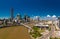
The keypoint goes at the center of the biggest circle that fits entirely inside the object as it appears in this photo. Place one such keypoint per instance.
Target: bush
(35, 28)
(54, 38)
(35, 34)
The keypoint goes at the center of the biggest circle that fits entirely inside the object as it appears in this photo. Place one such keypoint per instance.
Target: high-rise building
(59, 21)
(18, 16)
(37, 18)
(26, 18)
(11, 13)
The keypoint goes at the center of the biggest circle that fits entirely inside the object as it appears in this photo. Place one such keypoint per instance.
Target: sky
(30, 7)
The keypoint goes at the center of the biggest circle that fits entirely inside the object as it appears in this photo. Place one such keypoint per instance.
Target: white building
(36, 18)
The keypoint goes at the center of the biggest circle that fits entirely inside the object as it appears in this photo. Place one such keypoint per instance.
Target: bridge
(26, 26)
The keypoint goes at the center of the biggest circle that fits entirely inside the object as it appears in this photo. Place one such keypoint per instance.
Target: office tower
(18, 16)
(26, 18)
(37, 18)
(59, 21)
(11, 13)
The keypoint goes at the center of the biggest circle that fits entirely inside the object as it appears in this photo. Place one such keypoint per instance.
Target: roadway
(26, 26)
(44, 36)
(49, 34)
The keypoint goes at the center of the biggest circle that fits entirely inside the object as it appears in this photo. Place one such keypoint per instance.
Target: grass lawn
(36, 32)
(17, 32)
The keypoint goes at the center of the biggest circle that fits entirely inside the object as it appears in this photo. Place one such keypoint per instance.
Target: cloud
(54, 16)
(48, 16)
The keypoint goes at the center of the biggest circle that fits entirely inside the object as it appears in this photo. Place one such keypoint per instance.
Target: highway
(44, 36)
(49, 34)
(26, 26)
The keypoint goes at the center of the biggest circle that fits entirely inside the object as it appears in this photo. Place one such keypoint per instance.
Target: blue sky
(30, 7)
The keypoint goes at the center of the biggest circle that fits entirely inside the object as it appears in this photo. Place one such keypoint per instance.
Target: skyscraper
(11, 13)
(18, 16)
(59, 21)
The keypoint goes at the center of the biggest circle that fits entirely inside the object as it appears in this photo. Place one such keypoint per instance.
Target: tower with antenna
(11, 13)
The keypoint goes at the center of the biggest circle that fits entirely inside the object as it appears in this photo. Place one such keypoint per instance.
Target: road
(49, 34)
(26, 26)
(44, 36)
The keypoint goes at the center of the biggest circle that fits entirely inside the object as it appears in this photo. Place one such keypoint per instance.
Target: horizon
(42, 17)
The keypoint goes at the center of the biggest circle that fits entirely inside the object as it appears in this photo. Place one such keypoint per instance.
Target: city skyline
(29, 19)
